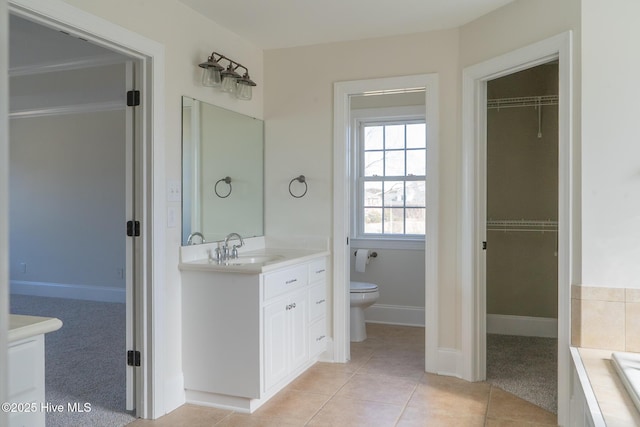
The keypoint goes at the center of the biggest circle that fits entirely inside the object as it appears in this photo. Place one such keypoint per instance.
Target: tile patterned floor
(384, 384)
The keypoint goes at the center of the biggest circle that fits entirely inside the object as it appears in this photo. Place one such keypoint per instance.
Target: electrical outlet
(23, 267)
(120, 272)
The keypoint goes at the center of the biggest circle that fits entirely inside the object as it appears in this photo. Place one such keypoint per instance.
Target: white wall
(67, 207)
(610, 144)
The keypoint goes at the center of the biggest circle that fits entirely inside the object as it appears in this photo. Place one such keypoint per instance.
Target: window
(390, 186)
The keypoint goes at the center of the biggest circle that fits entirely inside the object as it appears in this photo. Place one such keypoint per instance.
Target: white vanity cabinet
(246, 336)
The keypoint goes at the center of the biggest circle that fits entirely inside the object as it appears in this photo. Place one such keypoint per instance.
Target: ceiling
(272, 24)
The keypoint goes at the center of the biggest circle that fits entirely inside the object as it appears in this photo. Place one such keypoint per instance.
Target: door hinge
(484, 246)
(133, 228)
(133, 98)
(133, 358)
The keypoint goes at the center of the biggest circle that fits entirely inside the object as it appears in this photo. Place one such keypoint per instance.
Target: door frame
(4, 205)
(342, 144)
(149, 302)
(473, 206)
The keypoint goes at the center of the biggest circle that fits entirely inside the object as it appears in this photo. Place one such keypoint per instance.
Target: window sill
(373, 243)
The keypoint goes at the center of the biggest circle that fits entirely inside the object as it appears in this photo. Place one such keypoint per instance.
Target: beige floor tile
(378, 388)
(445, 396)
(395, 362)
(321, 379)
(418, 417)
(349, 412)
(245, 420)
(295, 406)
(504, 406)
(491, 422)
(186, 416)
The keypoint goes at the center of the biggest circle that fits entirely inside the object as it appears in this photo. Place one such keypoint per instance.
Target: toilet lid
(360, 287)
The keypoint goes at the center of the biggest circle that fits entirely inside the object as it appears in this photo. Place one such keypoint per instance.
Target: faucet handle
(234, 252)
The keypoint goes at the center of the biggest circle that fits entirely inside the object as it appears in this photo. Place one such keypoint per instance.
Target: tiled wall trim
(605, 318)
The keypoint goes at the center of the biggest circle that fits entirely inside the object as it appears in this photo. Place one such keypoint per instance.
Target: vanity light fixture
(227, 80)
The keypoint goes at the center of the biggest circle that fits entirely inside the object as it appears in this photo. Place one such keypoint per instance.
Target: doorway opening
(72, 187)
(343, 254)
(474, 208)
(521, 234)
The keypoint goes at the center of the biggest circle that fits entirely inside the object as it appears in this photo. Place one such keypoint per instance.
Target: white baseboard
(449, 362)
(61, 290)
(522, 326)
(395, 315)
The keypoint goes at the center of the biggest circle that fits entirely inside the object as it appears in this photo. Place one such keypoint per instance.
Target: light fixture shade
(229, 79)
(211, 77)
(243, 91)
(211, 72)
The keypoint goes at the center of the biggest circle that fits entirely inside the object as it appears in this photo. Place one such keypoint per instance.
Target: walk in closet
(522, 215)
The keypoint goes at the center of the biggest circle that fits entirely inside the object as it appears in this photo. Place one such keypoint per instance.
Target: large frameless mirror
(222, 173)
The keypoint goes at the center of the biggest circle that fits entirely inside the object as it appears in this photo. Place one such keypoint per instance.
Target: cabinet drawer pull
(288, 282)
(320, 271)
(320, 338)
(290, 306)
(320, 301)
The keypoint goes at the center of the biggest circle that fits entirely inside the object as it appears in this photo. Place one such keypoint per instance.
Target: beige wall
(299, 129)
(522, 183)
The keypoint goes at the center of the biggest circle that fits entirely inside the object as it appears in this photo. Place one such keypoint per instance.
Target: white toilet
(363, 295)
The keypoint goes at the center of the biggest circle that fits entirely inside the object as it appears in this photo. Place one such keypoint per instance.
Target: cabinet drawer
(318, 337)
(317, 301)
(317, 270)
(279, 282)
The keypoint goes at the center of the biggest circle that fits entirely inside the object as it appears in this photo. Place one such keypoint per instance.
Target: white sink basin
(628, 367)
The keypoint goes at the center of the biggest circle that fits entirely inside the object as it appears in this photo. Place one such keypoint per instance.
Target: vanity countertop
(22, 326)
(277, 258)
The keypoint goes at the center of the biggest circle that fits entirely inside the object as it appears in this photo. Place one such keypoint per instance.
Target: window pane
(373, 220)
(373, 193)
(415, 220)
(393, 221)
(416, 136)
(373, 137)
(394, 163)
(394, 193)
(373, 163)
(416, 162)
(415, 193)
(394, 136)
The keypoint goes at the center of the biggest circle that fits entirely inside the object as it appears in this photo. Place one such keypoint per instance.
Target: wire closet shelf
(523, 101)
(522, 225)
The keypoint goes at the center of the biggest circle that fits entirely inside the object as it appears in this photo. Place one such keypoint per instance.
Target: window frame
(384, 116)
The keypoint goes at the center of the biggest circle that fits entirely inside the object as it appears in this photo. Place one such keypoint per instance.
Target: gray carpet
(85, 359)
(526, 367)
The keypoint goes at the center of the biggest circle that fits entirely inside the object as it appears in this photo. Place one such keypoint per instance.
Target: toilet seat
(363, 287)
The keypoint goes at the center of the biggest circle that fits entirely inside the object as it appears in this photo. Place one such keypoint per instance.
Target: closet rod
(523, 101)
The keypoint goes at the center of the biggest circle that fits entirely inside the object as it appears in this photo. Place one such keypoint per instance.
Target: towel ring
(226, 180)
(301, 179)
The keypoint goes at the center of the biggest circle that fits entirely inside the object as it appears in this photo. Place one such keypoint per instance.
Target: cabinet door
(276, 342)
(299, 330)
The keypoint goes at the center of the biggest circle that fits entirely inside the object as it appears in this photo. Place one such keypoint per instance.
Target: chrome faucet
(194, 234)
(234, 250)
(222, 254)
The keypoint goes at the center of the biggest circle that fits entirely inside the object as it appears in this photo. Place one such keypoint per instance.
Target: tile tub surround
(384, 384)
(605, 318)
